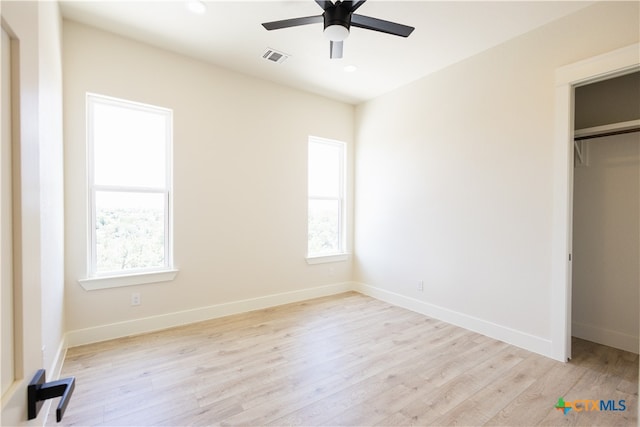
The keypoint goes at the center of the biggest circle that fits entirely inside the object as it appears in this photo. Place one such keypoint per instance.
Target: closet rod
(609, 133)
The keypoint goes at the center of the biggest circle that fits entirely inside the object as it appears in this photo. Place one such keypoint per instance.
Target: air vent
(275, 56)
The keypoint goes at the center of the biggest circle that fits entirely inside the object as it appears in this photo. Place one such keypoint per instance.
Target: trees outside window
(326, 212)
(129, 156)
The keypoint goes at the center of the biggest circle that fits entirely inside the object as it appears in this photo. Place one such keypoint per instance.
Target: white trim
(511, 336)
(321, 259)
(617, 62)
(602, 67)
(53, 374)
(128, 103)
(164, 321)
(55, 369)
(341, 197)
(105, 282)
(606, 336)
(154, 323)
(91, 100)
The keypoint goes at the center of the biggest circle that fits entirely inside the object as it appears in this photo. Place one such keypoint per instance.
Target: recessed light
(196, 6)
(350, 68)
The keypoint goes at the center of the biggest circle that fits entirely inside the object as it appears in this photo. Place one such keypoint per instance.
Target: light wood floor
(341, 360)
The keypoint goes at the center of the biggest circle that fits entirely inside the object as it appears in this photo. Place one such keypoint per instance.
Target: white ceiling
(229, 34)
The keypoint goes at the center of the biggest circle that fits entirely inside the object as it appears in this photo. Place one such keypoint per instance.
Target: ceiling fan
(338, 17)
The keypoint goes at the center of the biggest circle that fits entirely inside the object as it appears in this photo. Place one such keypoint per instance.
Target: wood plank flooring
(343, 360)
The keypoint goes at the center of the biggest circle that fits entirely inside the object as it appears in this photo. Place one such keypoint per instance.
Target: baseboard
(604, 336)
(154, 323)
(56, 366)
(53, 373)
(510, 336)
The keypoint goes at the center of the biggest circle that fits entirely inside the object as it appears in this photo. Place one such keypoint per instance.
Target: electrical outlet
(420, 286)
(135, 298)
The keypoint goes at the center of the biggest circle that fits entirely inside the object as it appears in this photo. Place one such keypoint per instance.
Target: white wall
(240, 153)
(52, 184)
(606, 243)
(454, 180)
(37, 218)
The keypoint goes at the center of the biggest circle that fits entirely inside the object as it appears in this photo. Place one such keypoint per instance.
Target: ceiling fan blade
(353, 5)
(293, 22)
(381, 25)
(335, 50)
(324, 4)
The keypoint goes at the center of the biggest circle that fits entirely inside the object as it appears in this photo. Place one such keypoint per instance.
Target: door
(20, 210)
(618, 62)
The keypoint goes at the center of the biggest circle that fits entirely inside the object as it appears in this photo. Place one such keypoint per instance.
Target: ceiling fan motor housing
(337, 20)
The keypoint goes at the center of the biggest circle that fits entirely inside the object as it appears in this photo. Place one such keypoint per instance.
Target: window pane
(324, 227)
(129, 146)
(130, 231)
(325, 162)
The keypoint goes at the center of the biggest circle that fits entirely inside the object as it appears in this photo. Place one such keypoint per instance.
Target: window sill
(107, 282)
(328, 258)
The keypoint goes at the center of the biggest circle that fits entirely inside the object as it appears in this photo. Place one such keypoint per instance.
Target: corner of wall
(502, 333)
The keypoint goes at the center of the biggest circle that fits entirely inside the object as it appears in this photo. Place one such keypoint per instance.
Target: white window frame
(341, 254)
(166, 272)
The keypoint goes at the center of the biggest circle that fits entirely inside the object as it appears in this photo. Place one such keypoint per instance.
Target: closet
(606, 213)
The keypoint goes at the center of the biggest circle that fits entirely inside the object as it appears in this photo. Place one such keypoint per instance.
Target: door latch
(39, 390)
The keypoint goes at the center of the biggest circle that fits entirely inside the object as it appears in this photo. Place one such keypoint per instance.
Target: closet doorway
(606, 213)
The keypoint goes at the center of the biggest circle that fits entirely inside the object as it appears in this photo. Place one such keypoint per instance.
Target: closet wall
(606, 221)
(609, 101)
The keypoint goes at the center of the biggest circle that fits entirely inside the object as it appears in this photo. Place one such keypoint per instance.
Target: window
(326, 212)
(129, 153)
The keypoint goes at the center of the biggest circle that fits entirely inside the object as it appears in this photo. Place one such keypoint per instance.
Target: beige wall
(240, 153)
(606, 243)
(454, 179)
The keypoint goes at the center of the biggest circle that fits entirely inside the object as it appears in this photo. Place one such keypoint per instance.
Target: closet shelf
(603, 130)
(581, 138)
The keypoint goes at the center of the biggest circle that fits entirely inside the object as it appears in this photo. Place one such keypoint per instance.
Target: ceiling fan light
(336, 33)
(196, 6)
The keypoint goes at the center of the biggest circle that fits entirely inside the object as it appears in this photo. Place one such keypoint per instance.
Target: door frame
(602, 67)
(19, 19)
